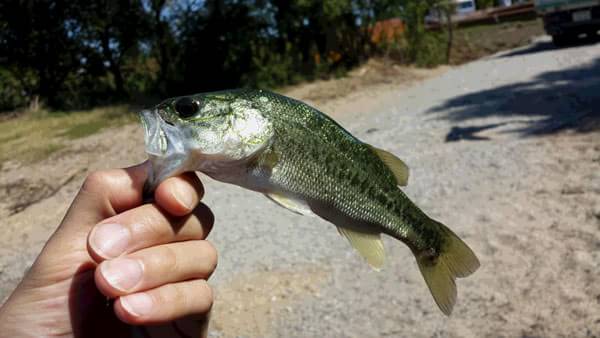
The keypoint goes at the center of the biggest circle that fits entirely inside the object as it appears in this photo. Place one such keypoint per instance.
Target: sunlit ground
(34, 136)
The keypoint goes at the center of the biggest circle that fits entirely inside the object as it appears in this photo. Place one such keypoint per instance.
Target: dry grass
(33, 136)
(474, 42)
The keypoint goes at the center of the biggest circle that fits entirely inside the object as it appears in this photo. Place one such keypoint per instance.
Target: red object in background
(387, 30)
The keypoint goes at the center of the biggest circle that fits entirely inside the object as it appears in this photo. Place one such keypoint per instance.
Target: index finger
(179, 195)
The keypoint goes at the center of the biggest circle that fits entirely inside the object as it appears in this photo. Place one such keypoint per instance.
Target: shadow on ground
(538, 47)
(547, 45)
(568, 99)
(470, 133)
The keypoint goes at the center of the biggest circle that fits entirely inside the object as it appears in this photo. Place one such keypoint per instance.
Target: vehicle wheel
(593, 35)
(562, 40)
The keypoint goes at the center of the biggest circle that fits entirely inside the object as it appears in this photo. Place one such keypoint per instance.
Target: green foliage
(12, 91)
(423, 48)
(482, 4)
(431, 50)
(270, 70)
(81, 54)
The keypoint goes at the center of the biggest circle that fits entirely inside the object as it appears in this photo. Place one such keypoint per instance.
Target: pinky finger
(166, 303)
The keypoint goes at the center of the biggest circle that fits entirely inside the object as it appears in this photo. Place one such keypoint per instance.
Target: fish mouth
(154, 136)
(165, 147)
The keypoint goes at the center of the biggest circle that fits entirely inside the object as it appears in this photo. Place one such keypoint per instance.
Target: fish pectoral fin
(396, 165)
(297, 206)
(368, 244)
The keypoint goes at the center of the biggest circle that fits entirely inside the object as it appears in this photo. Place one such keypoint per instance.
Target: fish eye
(186, 107)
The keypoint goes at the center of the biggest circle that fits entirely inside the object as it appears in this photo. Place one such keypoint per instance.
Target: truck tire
(563, 40)
(593, 34)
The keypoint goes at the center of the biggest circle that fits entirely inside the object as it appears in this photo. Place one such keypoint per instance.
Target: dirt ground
(503, 150)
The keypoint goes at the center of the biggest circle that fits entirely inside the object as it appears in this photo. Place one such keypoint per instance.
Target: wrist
(34, 312)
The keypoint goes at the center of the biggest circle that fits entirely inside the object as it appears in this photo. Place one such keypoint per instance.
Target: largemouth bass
(306, 162)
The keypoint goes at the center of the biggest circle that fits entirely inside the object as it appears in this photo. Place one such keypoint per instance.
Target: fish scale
(306, 162)
(303, 175)
(302, 166)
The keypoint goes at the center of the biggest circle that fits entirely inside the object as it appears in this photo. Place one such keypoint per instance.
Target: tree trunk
(113, 65)
(160, 40)
(119, 83)
(34, 104)
(450, 28)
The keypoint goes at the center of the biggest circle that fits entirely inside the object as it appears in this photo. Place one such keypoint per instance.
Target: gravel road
(501, 150)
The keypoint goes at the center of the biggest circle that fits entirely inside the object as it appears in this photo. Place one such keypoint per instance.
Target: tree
(218, 42)
(447, 8)
(35, 40)
(163, 41)
(74, 54)
(116, 29)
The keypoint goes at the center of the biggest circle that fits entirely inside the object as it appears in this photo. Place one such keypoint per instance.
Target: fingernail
(138, 304)
(122, 273)
(110, 240)
(183, 194)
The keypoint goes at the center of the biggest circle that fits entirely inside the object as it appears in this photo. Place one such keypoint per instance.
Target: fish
(306, 162)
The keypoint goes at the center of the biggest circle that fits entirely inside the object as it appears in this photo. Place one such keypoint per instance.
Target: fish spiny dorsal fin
(368, 244)
(396, 165)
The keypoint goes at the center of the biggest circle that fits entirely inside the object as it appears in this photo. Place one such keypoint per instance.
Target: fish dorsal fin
(368, 244)
(396, 165)
(297, 206)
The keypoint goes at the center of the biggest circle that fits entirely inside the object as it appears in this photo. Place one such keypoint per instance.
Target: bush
(270, 69)
(481, 4)
(431, 50)
(12, 91)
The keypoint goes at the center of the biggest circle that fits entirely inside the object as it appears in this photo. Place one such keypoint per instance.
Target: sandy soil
(503, 150)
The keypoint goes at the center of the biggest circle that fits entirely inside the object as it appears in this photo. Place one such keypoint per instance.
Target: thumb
(103, 194)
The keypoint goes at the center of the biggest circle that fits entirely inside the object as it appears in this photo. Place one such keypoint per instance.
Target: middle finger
(156, 266)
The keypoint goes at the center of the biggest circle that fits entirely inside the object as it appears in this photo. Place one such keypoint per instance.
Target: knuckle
(180, 297)
(169, 259)
(154, 222)
(160, 298)
(96, 181)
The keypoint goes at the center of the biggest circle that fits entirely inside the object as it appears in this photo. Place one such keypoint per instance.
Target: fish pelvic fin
(297, 206)
(396, 165)
(455, 260)
(368, 245)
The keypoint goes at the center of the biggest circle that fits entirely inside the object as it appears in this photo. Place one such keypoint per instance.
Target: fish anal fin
(297, 206)
(368, 244)
(396, 165)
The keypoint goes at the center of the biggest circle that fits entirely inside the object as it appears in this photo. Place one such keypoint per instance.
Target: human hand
(151, 259)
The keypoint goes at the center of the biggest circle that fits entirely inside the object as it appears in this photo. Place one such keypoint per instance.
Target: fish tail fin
(454, 260)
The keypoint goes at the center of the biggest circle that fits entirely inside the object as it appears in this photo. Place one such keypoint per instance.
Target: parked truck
(566, 20)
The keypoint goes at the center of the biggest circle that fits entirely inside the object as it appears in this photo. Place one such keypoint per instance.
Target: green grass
(34, 136)
(84, 129)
